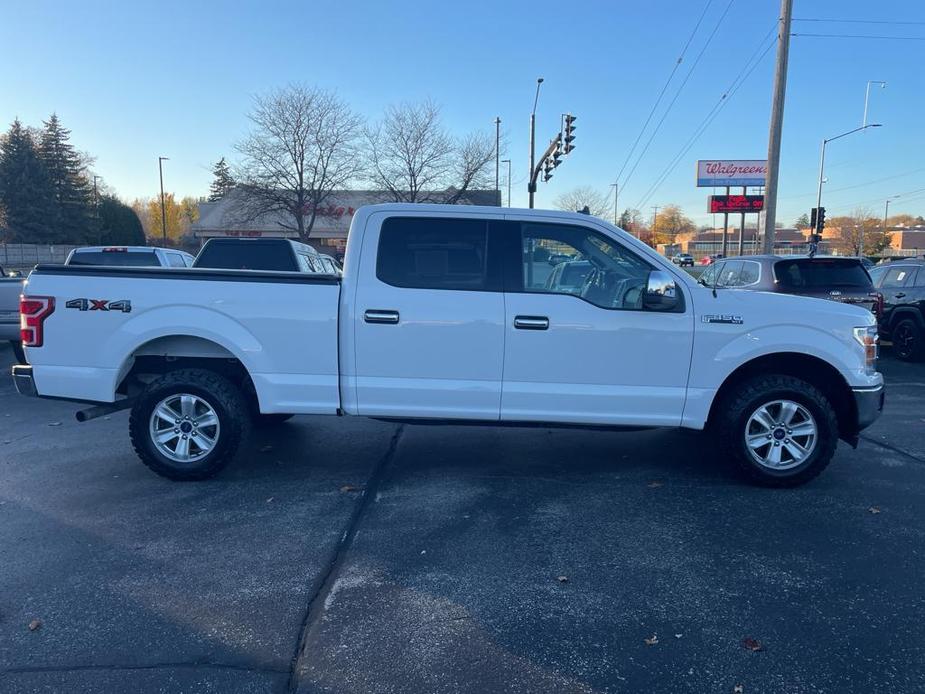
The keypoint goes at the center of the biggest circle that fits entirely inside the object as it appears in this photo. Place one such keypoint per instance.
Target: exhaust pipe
(100, 410)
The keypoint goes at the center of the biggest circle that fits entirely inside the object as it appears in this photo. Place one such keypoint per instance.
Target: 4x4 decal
(123, 305)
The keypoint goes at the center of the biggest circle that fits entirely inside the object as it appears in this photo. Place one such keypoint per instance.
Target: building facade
(230, 217)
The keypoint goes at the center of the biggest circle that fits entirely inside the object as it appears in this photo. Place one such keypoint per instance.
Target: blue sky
(137, 80)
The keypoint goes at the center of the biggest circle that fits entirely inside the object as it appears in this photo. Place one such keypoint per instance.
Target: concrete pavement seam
(26, 669)
(892, 448)
(315, 607)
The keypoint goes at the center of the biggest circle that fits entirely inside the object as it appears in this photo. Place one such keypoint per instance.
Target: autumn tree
(303, 145)
(851, 229)
(222, 180)
(180, 215)
(27, 201)
(906, 220)
(412, 156)
(577, 199)
(668, 223)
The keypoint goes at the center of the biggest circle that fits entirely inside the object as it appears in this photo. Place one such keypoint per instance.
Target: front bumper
(869, 405)
(23, 380)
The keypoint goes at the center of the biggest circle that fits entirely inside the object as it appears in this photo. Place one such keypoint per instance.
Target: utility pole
(160, 166)
(777, 122)
(497, 155)
(616, 190)
(508, 162)
(654, 222)
(742, 228)
(531, 184)
(886, 213)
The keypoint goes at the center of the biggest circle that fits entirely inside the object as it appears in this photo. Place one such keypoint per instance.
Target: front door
(429, 320)
(579, 346)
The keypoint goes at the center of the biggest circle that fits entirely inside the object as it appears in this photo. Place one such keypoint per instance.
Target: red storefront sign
(735, 203)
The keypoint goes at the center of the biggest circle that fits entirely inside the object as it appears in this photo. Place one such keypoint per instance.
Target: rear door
(429, 319)
(897, 286)
(592, 356)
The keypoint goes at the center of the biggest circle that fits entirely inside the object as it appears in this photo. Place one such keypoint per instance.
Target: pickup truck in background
(261, 254)
(446, 313)
(10, 289)
(129, 256)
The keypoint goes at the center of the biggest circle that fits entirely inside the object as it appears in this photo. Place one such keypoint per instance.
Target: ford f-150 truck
(444, 313)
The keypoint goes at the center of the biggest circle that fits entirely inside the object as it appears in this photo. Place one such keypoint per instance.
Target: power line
(857, 185)
(861, 36)
(665, 87)
(857, 21)
(677, 93)
(708, 119)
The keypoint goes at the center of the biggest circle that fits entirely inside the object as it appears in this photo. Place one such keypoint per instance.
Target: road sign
(731, 172)
(735, 203)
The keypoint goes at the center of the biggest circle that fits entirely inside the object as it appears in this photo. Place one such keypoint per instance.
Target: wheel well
(900, 314)
(811, 369)
(166, 354)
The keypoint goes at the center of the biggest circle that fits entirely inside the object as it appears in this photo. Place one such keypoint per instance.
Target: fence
(23, 256)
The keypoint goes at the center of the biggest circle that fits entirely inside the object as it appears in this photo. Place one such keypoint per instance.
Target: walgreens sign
(731, 172)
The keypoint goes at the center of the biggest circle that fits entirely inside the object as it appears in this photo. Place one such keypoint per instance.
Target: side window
(920, 277)
(576, 260)
(304, 263)
(898, 277)
(424, 253)
(876, 275)
(750, 273)
(175, 260)
(729, 275)
(708, 275)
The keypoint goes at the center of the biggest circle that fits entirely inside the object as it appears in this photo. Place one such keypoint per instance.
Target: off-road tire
(751, 394)
(222, 395)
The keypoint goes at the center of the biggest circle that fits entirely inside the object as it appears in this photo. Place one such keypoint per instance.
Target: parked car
(266, 254)
(902, 321)
(439, 312)
(710, 259)
(331, 265)
(129, 256)
(683, 259)
(841, 279)
(10, 290)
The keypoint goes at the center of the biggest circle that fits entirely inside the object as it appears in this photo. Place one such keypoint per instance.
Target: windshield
(246, 255)
(822, 273)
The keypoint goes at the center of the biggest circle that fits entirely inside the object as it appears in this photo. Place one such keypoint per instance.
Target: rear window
(116, 258)
(247, 255)
(820, 273)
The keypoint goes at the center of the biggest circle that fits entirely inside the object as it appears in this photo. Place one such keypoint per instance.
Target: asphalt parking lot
(356, 556)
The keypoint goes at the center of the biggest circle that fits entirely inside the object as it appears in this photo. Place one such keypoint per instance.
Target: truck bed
(281, 327)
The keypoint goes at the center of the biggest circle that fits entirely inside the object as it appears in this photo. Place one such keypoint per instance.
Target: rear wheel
(779, 431)
(188, 424)
(907, 340)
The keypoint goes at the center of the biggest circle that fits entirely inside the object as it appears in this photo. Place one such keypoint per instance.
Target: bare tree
(304, 145)
(412, 156)
(577, 199)
(852, 229)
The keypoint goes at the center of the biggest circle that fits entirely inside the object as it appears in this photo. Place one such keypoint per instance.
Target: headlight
(868, 339)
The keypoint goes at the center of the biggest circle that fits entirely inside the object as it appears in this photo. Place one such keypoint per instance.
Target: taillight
(878, 305)
(33, 310)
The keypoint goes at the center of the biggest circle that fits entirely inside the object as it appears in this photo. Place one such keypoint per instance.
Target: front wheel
(188, 424)
(907, 340)
(779, 431)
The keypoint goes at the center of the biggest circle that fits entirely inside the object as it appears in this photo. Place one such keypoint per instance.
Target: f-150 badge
(123, 305)
(729, 320)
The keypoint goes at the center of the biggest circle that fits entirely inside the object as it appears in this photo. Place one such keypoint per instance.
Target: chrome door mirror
(662, 294)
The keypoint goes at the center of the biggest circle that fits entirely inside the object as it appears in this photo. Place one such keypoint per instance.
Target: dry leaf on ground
(35, 625)
(874, 509)
(752, 644)
(652, 640)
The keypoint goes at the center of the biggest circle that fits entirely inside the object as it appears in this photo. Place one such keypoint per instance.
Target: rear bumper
(23, 380)
(869, 405)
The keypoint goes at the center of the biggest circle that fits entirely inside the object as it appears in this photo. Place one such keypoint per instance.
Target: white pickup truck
(454, 314)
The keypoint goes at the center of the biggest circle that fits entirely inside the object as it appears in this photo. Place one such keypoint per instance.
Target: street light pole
(822, 169)
(497, 155)
(886, 213)
(531, 185)
(867, 97)
(616, 190)
(160, 167)
(508, 162)
(777, 122)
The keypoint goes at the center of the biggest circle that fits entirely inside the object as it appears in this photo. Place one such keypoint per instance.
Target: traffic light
(568, 133)
(548, 166)
(553, 159)
(820, 220)
(812, 219)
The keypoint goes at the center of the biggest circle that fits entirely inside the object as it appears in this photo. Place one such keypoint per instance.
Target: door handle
(531, 322)
(385, 317)
(900, 295)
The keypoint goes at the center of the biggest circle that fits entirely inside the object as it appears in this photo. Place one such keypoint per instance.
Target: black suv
(902, 284)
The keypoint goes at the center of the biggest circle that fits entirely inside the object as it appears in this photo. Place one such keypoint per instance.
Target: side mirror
(661, 292)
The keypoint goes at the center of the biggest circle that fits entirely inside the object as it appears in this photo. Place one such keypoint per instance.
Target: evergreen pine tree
(223, 182)
(119, 225)
(27, 200)
(77, 218)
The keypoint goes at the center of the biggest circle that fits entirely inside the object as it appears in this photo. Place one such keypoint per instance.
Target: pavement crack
(892, 448)
(315, 609)
(25, 669)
